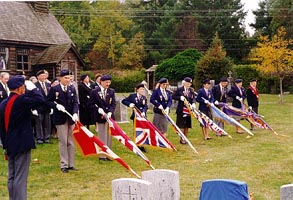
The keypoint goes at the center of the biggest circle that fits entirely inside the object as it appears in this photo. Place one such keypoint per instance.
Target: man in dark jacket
(252, 98)
(17, 133)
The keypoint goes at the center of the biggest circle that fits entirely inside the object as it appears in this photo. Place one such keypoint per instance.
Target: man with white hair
(4, 90)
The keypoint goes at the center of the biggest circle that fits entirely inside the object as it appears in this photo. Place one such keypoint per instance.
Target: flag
(90, 144)
(122, 137)
(147, 134)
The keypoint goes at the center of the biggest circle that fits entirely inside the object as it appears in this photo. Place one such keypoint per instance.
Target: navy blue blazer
(140, 103)
(3, 93)
(217, 93)
(233, 93)
(67, 99)
(20, 136)
(190, 96)
(201, 93)
(43, 108)
(157, 99)
(97, 101)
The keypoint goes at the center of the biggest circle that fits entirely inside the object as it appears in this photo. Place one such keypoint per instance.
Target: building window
(3, 57)
(22, 58)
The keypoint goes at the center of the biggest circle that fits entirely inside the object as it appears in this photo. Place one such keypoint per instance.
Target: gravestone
(120, 112)
(286, 192)
(131, 189)
(165, 183)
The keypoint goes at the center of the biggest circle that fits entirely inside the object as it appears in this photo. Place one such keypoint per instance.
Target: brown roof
(19, 22)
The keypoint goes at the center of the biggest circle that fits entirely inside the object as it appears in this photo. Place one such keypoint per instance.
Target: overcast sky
(250, 5)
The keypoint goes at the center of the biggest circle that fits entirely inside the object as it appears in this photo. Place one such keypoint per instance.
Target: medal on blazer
(143, 102)
(136, 100)
(110, 101)
(161, 98)
(100, 94)
(56, 95)
(1, 94)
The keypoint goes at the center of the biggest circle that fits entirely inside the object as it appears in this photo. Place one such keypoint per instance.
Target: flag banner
(89, 144)
(178, 131)
(219, 114)
(147, 134)
(185, 111)
(205, 120)
(123, 138)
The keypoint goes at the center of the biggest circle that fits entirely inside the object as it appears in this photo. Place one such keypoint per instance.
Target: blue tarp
(223, 189)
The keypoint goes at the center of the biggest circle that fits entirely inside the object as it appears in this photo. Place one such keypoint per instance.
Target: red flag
(122, 137)
(90, 144)
(147, 134)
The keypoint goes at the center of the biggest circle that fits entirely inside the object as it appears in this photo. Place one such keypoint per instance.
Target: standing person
(220, 95)
(84, 89)
(253, 98)
(161, 98)
(238, 94)
(17, 133)
(4, 90)
(63, 98)
(97, 82)
(42, 112)
(205, 96)
(102, 102)
(183, 119)
(54, 82)
(138, 100)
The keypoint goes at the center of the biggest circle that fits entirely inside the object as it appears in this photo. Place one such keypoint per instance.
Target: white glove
(60, 107)
(167, 110)
(75, 117)
(109, 114)
(35, 112)
(250, 108)
(29, 85)
(160, 107)
(131, 105)
(206, 101)
(193, 106)
(101, 111)
(216, 102)
(238, 98)
(182, 98)
(51, 111)
(143, 114)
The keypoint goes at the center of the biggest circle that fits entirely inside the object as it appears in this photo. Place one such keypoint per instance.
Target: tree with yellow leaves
(274, 57)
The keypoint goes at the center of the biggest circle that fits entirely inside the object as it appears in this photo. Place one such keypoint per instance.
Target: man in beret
(63, 98)
(102, 102)
(161, 98)
(220, 95)
(84, 88)
(42, 112)
(205, 96)
(17, 133)
(4, 90)
(252, 98)
(238, 94)
(183, 119)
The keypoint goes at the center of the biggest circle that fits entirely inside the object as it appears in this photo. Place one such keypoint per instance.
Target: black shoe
(72, 168)
(47, 142)
(40, 142)
(64, 170)
(103, 159)
(142, 149)
(108, 159)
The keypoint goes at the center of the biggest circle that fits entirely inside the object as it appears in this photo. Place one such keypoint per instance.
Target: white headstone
(120, 112)
(131, 189)
(286, 192)
(165, 183)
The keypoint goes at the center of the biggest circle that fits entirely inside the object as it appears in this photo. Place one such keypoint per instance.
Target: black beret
(238, 80)
(206, 81)
(41, 72)
(223, 80)
(106, 77)
(139, 86)
(253, 80)
(15, 82)
(163, 80)
(82, 77)
(64, 72)
(188, 79)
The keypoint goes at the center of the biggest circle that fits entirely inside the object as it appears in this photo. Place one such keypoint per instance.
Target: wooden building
(31, 39)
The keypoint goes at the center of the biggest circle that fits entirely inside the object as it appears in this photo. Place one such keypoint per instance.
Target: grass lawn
(264, 162)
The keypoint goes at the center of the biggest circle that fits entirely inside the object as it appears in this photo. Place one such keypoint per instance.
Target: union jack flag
(147, 134)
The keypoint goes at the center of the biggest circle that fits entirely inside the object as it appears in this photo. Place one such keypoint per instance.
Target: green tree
(274, 56)
(214, 64)
(181, 65)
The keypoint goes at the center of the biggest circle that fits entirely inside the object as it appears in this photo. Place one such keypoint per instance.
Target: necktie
(165, 95)
(5, 88)
(44, 88)
(65, 89)
(105, 93)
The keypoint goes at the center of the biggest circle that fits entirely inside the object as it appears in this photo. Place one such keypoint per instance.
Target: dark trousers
(18, 168)
(43, 127)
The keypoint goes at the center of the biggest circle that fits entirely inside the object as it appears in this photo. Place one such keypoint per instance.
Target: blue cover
(223, 189)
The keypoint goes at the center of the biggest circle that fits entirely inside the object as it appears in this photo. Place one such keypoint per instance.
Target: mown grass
(264, 162)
